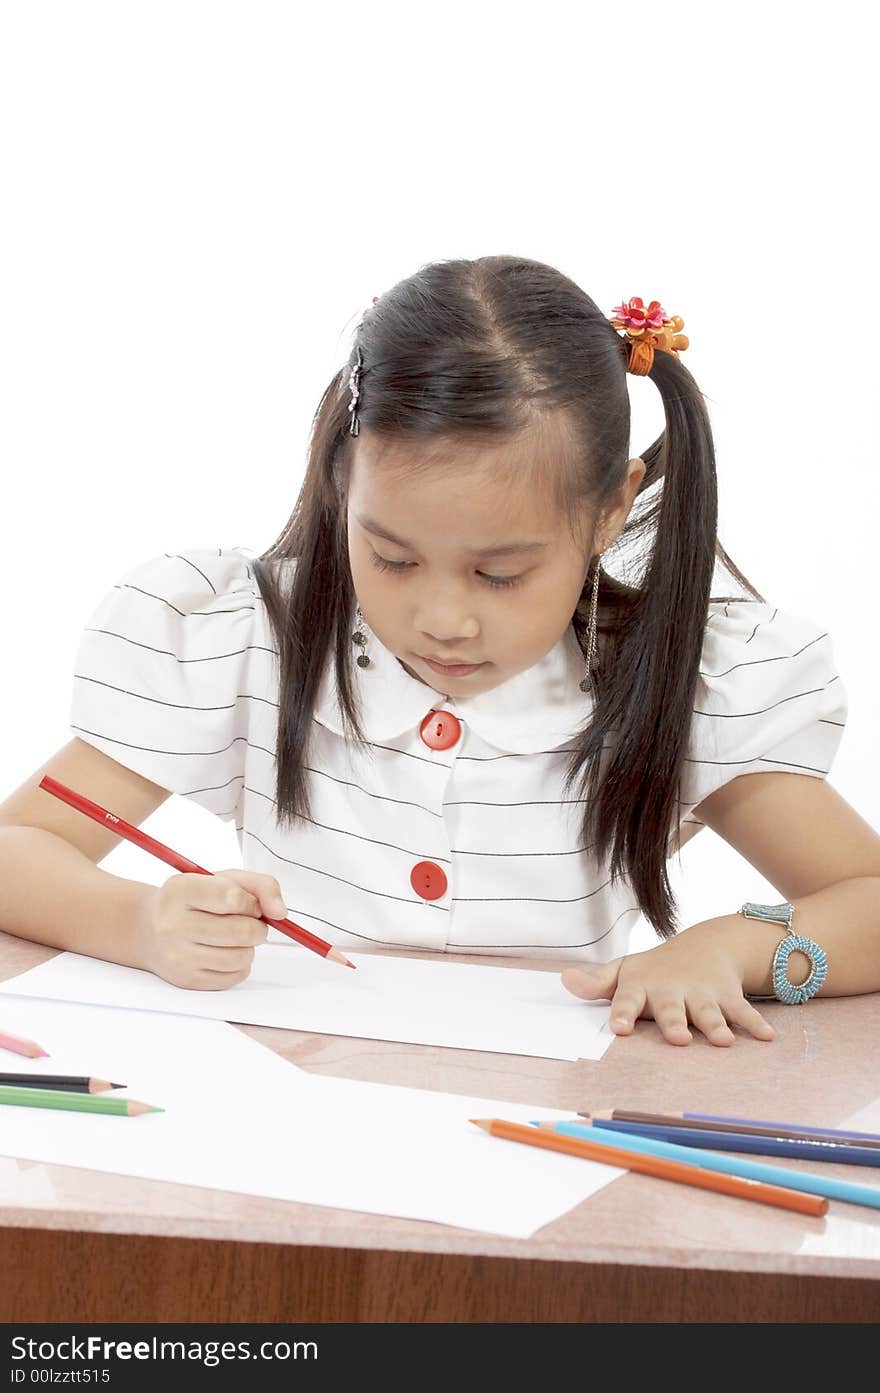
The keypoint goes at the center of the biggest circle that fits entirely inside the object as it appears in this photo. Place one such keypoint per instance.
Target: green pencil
(73, 1102)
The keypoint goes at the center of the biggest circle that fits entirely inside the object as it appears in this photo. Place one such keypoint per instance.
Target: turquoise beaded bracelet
(783, 987)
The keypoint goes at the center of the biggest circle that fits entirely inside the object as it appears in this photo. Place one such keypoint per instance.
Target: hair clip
(354, 388)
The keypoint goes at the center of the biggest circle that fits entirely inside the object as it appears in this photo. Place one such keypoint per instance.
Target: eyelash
(497, 582)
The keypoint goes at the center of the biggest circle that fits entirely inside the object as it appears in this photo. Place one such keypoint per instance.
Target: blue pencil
(733, 1165)
(804, 1148)
(836, 1132)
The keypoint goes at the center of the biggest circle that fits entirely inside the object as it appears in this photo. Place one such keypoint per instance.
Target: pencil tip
(348, 964)
(484, 1122)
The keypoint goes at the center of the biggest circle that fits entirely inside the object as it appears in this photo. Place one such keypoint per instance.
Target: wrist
(753, 943)
(142, 935)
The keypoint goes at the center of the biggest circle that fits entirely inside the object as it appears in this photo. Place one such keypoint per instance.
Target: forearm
(844, 919)
(51, 893)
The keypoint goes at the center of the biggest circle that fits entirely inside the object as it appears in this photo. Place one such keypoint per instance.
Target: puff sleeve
(769, 697)
(160, 680)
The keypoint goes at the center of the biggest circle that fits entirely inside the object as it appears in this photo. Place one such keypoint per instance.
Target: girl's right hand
(201, 930)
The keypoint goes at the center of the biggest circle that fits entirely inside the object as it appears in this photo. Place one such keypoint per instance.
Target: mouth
(457, 669)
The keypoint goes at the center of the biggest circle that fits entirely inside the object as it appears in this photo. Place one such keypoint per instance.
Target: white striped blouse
(451, 830)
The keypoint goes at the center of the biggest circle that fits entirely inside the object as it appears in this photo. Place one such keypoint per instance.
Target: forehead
(481, 488)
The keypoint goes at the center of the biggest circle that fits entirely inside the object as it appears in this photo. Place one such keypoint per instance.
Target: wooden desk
(82, 1246)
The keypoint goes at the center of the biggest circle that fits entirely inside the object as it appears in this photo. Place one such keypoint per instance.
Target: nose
(448, 635)
(445, 617)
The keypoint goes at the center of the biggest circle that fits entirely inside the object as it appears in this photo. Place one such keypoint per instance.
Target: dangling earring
(587, 680)
(360, 638)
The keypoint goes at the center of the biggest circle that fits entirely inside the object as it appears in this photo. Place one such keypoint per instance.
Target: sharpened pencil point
(338, 957)
(136, 1109)
(484, 1122)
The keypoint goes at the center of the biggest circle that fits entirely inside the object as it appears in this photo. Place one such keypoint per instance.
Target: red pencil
(180, 863)
(19, 1046)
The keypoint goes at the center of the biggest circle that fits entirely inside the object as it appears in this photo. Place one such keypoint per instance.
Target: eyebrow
(507, 549)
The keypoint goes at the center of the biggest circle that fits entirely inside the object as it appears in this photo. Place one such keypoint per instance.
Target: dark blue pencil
(807, 1149)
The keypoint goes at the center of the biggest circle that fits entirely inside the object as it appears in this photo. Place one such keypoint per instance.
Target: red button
(428, 880)
(440, 729)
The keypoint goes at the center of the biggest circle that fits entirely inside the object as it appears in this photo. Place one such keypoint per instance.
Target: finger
(671, 1017)
(265, 890)
(217, 894)
(743, 1013)
(206, 980)
(592, 981)
(235, 892)
(211, 958)
(708, 1017)
(225, 931)
(626, 1006)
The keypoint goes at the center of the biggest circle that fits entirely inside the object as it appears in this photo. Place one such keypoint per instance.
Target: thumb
(264, 888)
(592, 981)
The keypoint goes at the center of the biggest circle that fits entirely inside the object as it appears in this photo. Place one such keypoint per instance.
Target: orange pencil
(19, 1046)
(658, 1166)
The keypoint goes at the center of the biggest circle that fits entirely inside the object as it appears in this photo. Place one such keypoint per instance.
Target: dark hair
(481, 350)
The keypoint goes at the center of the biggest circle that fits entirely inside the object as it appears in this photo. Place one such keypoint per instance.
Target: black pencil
(69, 1083)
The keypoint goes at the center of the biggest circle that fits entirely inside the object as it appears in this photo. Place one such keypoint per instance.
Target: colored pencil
(803, 1148)
(68, 1082)
(732, 1165)
(19, 1046)
(737, 1124)
(791, 1126)
(682, 1173)
(73, 1102)
(180, 863)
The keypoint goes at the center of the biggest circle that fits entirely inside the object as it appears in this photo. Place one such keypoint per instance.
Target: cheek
(363, 573)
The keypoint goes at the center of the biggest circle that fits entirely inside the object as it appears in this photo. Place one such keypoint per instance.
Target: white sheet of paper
(239, 1117)
(502, 1009)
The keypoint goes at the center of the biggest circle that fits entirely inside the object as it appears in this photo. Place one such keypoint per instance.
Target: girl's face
(458, 565)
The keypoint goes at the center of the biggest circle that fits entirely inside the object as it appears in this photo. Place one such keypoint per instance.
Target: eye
(381, 564)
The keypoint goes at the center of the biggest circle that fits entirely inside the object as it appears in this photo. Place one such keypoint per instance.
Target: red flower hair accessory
(647, 330)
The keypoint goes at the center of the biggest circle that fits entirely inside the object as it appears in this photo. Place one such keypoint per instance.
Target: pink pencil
(19, 1046)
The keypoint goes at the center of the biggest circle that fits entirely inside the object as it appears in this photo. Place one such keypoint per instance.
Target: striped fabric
(176, 676)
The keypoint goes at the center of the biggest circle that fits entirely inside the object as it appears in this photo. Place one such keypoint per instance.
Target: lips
(453, 669)
(451, 662)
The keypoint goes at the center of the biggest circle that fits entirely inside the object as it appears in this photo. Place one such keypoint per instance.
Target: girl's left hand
(695, 977)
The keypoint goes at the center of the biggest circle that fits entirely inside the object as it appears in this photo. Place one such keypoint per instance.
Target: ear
(616, 513)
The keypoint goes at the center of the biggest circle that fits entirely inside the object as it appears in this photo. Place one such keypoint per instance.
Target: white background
(200, 199)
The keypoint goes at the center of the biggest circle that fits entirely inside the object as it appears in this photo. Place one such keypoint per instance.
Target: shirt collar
(537, 709)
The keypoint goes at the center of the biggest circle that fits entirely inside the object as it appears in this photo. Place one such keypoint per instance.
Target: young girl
(439, 722)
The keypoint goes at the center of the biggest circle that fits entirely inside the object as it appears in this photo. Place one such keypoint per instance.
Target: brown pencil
(663, 1169)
